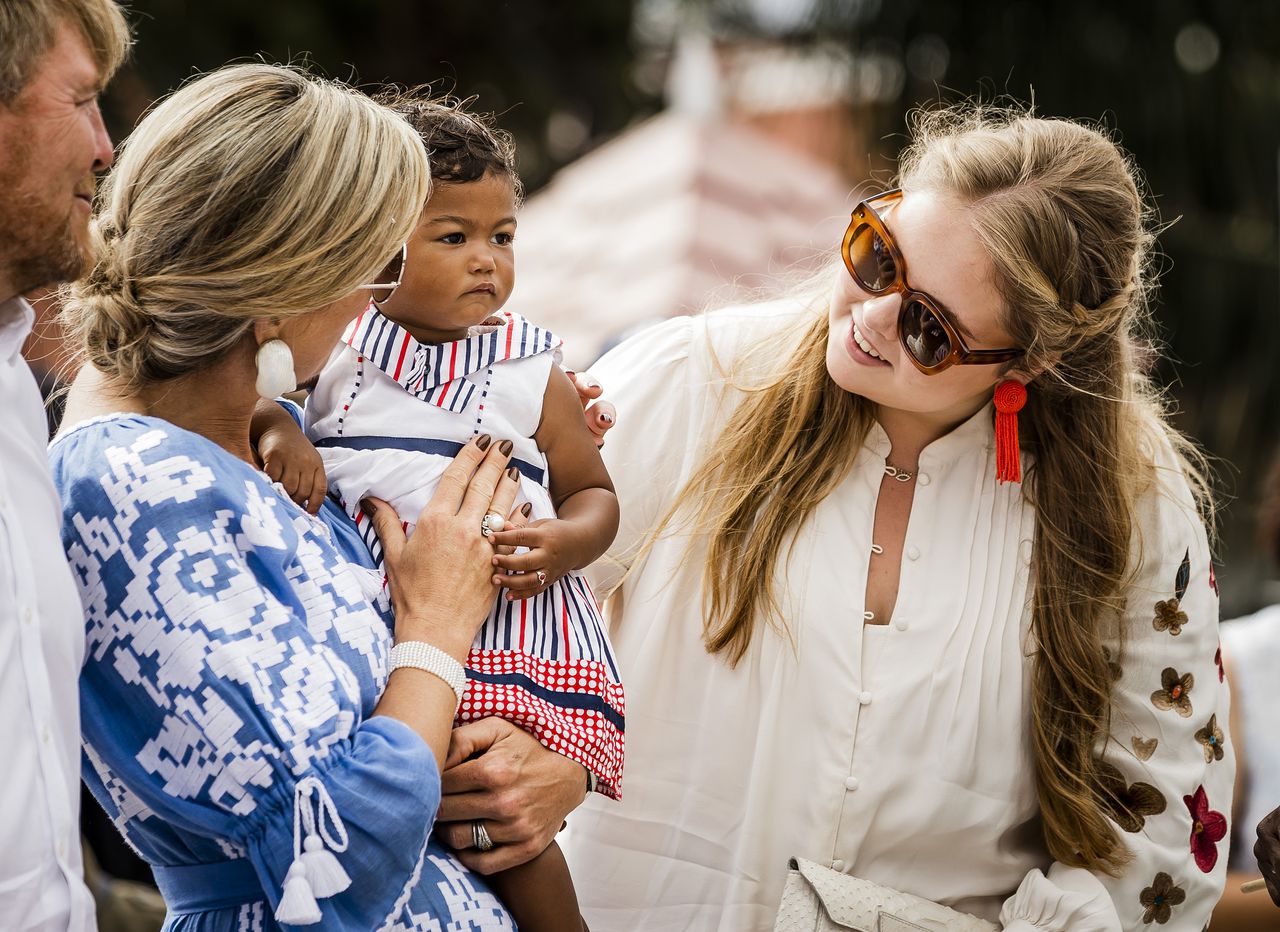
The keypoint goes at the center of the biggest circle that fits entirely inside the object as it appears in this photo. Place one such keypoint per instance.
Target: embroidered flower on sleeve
(1169, 617)
(1143, 748)
(1174, 692)
(1210, 737)
(1213, 580)
(1160, 898)
(1208, 827)
(1217, 658)
(1128, 804)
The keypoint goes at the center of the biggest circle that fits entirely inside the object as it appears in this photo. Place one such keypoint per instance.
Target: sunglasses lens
(873, 263)
(923, 335)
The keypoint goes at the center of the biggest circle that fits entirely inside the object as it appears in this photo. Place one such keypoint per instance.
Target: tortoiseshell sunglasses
(876, 264)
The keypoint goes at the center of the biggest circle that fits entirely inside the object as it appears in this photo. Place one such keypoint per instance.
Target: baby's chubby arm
(287, 455)
(583, 494)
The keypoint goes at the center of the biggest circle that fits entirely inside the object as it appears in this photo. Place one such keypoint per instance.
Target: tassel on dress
(315, 872)
(298, 906)
(1010, 396)
(323, 870)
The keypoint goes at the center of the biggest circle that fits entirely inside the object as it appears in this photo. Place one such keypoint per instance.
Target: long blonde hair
(255, 191)
(1061, 213)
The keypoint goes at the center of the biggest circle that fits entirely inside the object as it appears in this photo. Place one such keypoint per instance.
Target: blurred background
(682, 153)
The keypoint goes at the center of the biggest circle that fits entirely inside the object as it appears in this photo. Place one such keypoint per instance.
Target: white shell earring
(275, 369)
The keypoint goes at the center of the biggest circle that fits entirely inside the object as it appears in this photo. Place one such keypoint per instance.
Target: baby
(417, 376)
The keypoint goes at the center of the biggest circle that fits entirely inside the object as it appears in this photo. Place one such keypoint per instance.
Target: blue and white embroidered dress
(232, 665)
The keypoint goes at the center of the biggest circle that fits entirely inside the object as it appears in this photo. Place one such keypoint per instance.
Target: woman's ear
(265, 329)
(1026, 374)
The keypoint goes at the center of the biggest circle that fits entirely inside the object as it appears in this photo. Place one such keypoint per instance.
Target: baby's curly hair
(463, 146)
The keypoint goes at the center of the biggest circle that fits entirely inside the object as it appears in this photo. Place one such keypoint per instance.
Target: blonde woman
(252, 721)
(866, 623)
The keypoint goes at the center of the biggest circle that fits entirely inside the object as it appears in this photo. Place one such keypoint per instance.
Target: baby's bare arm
(585, 502)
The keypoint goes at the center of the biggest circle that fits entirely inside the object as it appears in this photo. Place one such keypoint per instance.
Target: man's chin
(53, 262)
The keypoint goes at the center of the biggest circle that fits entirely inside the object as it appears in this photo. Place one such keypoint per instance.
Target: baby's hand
(289, 458)
(555, 548)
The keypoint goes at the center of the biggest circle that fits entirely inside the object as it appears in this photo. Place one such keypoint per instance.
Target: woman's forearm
(425, 703)
(422, 700)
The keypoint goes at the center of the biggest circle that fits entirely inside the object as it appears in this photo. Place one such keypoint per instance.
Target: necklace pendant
(893, 472)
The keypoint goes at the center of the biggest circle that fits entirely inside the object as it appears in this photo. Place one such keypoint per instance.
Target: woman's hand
(440, 578)
(600, 415)
(521, 791)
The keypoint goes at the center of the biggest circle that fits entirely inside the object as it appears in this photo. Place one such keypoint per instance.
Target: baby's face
(461, 265)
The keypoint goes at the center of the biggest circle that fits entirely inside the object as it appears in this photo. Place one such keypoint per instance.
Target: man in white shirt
(55, 56)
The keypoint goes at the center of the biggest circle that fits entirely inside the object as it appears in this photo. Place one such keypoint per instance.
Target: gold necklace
(893, 472)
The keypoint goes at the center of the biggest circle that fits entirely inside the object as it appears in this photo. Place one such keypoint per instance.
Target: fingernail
(366, 506)
(513, 474)
(592, 383)
(570, 373)
(526, 509)
(504, 448)
(606, 417)
(483, 441)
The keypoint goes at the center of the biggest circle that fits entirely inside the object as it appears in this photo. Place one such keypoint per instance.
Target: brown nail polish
(526, 509)
(483, 441)
(505, 448)
(513, 474)
(367, 507)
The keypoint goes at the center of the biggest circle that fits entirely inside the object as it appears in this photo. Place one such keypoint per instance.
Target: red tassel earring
(1010, 397)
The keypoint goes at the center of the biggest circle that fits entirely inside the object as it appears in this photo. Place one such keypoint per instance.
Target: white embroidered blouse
(897, 753)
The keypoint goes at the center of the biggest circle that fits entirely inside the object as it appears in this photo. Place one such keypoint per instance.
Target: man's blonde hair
(28, 29)
(255, 191)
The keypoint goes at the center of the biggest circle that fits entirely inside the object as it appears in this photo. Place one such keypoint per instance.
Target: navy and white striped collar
(436, 372)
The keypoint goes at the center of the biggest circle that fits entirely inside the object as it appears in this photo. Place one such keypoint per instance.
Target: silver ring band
(480, 836)
(542, 577)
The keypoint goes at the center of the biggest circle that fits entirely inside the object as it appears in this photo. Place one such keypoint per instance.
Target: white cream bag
(818, 899)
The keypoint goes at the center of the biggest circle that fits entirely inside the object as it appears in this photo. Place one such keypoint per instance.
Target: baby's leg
(540, 894)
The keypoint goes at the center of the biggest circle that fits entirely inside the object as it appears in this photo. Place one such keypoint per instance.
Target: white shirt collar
(16, 320)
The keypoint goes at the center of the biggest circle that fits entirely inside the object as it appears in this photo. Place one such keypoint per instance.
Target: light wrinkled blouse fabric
(898, 753)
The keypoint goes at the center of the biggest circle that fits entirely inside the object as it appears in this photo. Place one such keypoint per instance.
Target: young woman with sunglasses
(913, 578)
